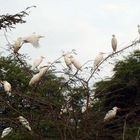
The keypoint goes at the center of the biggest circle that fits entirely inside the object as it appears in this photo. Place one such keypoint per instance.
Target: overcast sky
(84, 25)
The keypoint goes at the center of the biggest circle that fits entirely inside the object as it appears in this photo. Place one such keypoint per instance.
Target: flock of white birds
(69, 60)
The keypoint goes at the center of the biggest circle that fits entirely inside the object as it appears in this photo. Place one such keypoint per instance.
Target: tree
(66, 107)
(39, 103)
(121, 90)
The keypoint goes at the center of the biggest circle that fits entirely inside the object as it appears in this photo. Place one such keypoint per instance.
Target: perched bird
(24, 122)
(43, 70)
(98, 59)
(75, 62)
(114, 43)
(33, 39)
(138, 29)
(7, 87)
(17, 45)
(35, 79)
(111, 114)
(6, 131)
(37, 62)
(67, 60)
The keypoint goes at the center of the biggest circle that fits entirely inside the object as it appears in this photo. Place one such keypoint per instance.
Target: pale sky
(84, 25)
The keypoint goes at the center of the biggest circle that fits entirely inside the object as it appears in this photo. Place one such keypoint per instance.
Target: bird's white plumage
(43, 70)
(6, 131)
(24, 122)
(17, 45)
(33, 39)
(7, 87)
(35, 79)
(139, 29)
(67, 60)
(75, 62)
(114, 43)
(37, 62)
(98, 59)
(111, 114)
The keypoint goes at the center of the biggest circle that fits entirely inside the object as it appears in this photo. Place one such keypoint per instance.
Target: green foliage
(40, 104)
(42, 100)
(12, 71)
(123, 91)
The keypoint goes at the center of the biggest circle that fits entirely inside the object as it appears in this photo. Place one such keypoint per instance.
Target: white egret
(35, 79)
(33, 39)
(43, 70)
(37, 62)
(6, 131)
(7, 87)
(98, 59)
(24, 122)
(111, 114)
(114, 43)
(67, 60)
(17, 45)
(138, 29)
(75, 62)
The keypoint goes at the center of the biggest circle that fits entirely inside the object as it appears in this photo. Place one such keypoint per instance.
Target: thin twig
(138, 134)
(124, 128)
